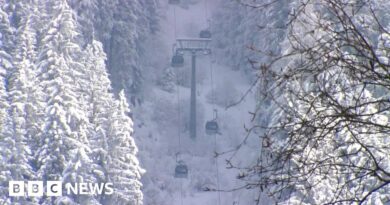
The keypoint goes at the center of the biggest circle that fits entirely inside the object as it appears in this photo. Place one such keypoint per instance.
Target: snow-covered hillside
(159, 124)
(299, 90)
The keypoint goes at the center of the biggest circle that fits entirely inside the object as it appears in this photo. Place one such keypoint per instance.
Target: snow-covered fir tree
(101, 102)
(246, 36)
(6, 140)
(168, 80)
(122, 26)
(329, 128)
(24, 107)
(123, 166)
(60, 76)
(59, 119)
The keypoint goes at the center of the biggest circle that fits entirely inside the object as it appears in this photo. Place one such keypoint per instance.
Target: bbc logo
(34, 188)
(55, 188)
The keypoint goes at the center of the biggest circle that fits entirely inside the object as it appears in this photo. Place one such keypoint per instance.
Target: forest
(196, 102)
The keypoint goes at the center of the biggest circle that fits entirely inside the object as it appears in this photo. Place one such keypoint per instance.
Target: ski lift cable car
(212, 127)
(205, 33)
(177, 58)
(174, 2)
(177, 61)
(181, 170)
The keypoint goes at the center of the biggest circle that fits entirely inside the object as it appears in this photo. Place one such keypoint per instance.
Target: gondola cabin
(181, 171)
(174, 1)
(205, 34)
(212, 127)
(177, 61)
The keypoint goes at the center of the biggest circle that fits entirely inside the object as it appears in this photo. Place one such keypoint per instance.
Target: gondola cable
(214, 108)
(215, 134)
(178, 106)
(177, 59)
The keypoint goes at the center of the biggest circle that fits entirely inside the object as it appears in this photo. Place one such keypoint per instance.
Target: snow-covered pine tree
(101, 99)
(104, 18)
(122, 26)
(111, 131)
(5, 60)
(87, 13)
(53, 96)
(23, 107)
(168, 80)
(234, 27)
(6, 141)
(26, 52)
(329, 135)
(7, 31)
(98, 89)
(81, 168)
(150, 16)
(65, 127)
(122, 51)
(123, 166)
(101, 102)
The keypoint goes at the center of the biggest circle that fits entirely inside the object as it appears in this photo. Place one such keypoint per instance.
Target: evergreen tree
(122, 26)
(87, 12)
(329, 131)
(58, 117)
(65, 124)
(23, 109)
(168, 80)
(234, 27)
(101, 101)
(123, 167)
(150, 16)
(6, 141)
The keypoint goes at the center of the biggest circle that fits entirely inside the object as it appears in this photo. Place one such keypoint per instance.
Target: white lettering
(83, 188)
(96, 189)
(70, 189)
(109, 188)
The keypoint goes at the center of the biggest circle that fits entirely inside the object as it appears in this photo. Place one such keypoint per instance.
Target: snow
(157, 124)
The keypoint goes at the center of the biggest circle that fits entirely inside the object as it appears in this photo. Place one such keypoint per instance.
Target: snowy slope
(160, 124)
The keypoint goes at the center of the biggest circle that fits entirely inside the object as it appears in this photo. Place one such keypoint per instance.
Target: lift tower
(194, 47)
